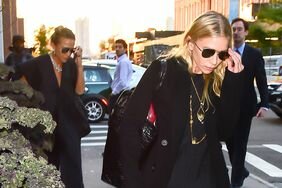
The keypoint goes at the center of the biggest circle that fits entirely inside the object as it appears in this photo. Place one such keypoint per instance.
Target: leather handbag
(149, 130)
(81, 116)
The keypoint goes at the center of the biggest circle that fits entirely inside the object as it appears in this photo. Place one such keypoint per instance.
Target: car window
(95, 74)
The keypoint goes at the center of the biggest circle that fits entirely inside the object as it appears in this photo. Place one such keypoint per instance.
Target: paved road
(264, 157)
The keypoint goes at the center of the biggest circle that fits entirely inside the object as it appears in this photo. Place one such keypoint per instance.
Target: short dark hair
(121, 41)
(246, 24)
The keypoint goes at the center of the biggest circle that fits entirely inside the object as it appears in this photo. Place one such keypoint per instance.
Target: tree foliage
(268, 25)
(42, 39)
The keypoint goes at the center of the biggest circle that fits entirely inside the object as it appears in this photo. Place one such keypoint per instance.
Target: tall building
(169, 24)
(82, 35)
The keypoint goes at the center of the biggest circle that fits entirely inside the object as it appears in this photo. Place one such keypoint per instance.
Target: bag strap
(151, 117)
(162, 72)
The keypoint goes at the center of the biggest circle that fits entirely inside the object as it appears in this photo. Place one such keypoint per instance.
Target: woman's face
(207, 53)
(63, 49)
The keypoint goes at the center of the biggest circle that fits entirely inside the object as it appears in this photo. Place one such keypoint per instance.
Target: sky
(107, 17)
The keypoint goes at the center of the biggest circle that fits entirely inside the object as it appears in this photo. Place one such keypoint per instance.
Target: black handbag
(82, 120)
(149, 130)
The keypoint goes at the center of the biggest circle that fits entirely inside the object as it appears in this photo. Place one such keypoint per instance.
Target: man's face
(19, 46)
(120, 50)
(239, 33)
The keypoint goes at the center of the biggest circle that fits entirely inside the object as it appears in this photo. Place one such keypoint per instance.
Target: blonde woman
(196, 107)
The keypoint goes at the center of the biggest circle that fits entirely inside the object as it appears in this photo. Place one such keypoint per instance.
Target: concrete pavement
(92, 167)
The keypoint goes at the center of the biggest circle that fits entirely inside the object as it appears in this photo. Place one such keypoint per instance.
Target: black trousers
(237, 148)
(66, 154)
(112, 101)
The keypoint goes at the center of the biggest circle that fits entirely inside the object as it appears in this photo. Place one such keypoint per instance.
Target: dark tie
(237, 51)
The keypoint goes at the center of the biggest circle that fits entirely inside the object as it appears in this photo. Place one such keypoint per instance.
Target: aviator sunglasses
(207, 52)
(66, 50)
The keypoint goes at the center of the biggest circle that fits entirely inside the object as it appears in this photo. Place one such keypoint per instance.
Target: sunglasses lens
(223, 55)
(66, 50)
(206, 53)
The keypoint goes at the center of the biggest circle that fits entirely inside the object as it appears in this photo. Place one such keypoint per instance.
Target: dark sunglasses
(207, 52)
(66, 50)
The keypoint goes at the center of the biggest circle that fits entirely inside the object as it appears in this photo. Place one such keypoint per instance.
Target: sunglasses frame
(65, 50)
(208, 52)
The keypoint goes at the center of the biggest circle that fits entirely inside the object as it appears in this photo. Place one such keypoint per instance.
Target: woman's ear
(189, 43)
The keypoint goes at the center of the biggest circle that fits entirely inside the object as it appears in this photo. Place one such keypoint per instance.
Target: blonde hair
(209, 24)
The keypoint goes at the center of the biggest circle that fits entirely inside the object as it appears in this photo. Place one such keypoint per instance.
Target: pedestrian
(123, 72)
(19, 54)
(122, 77)
(60, 79)
(195, 107)
(254, 70)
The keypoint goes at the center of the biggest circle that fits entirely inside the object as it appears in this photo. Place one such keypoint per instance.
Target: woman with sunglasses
(60, 79)
(196, 108)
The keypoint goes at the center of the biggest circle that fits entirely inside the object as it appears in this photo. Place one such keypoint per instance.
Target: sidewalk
(255, 182)
(92, 166)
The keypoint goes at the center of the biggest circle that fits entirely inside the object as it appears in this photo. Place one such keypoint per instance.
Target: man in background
(253, 70)
(19, 54)
(123, 72)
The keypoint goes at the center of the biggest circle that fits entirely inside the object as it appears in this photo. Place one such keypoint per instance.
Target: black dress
(59, 101)
(184, 174)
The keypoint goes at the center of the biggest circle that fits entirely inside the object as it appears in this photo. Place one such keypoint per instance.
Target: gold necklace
(194, 140)
(201, 112)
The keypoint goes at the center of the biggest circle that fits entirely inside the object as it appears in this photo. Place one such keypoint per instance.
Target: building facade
(11, 25)
(187, 10)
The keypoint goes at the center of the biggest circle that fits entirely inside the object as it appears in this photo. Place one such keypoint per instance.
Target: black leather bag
(82, 120)
(149, 131)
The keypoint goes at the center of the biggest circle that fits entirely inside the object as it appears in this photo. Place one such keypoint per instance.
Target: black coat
(172, 107)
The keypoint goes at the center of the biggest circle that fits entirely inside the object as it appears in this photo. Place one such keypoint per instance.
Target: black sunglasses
(207, 52)
(66, 50)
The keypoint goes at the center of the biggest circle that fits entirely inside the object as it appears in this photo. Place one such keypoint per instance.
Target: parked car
(275, 97)
(98, 75)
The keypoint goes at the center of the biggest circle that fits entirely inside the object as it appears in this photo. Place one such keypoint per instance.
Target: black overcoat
(172, 106)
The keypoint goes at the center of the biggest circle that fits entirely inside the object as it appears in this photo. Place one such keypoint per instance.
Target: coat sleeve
(261, 79)
(135, 114)
(30, 70)
(229, 104)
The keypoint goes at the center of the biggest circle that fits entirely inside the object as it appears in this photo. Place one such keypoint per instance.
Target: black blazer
(253, 70)
(58, 99)
(172, 107)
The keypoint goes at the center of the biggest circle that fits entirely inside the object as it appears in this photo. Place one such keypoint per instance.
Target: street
(264, 157)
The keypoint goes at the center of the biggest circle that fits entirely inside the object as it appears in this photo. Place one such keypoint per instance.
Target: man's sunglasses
(66, 50)
(207, 52)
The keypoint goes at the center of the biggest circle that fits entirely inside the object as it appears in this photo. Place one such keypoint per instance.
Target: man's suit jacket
(254, 70)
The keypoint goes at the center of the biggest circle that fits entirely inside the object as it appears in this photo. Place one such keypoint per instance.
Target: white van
(273, 67)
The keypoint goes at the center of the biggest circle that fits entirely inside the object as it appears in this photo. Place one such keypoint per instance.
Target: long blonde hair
(209, 24)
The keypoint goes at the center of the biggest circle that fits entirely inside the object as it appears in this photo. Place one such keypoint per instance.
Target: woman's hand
(78, 56)
(234, 62)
